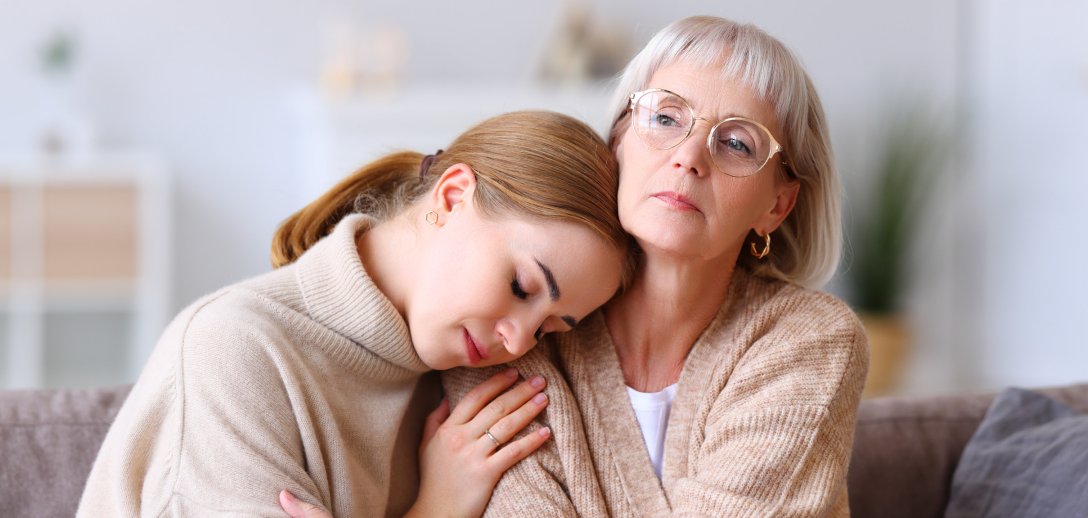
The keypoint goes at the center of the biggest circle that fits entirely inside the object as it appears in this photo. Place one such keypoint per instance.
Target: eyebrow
(553, 288)
(553, 291)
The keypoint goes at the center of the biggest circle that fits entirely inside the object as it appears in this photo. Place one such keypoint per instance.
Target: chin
(666, 240)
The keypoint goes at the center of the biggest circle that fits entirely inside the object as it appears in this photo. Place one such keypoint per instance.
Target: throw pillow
(1029, 457)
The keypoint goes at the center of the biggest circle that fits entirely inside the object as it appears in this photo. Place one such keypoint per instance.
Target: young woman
(310, 377)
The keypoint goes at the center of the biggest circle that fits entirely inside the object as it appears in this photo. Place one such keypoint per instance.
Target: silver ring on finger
(489, 435)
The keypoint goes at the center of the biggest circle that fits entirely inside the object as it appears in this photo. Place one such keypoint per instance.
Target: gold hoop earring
(431, 217)
(760, 254)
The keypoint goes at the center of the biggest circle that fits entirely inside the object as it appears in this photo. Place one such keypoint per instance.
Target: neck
(655, 323)
(388, 251)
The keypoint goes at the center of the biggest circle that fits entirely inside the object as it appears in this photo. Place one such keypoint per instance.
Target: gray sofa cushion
(48, 441)
(1029, 458)
(906, 450)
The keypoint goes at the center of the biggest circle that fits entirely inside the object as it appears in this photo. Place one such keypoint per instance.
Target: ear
(453, 191)
(784, 200)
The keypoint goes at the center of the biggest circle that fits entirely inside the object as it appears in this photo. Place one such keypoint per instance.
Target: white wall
(207, 85)
(1031, 179)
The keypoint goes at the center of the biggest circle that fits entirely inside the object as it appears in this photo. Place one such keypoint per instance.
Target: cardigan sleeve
(777, 438)
(208, 430)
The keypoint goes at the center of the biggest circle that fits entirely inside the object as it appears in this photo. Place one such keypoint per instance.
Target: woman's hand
(460, 463)
(296, 509)
(466, 451)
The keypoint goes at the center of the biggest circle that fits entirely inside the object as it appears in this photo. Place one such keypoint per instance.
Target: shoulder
(235, 313)
(794, 310)
(233, 337)
(810, 347)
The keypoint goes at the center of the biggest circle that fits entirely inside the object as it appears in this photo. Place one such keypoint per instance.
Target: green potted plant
(911, 154)
(66, 130)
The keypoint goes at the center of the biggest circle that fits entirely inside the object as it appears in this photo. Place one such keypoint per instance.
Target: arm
(464, 452)
(460, 463)
(536, 486)
(207, 430)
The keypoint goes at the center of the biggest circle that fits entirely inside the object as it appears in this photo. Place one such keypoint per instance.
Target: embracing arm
(460, 461)
(536, 486)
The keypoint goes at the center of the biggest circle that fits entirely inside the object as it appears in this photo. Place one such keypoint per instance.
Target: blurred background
(148, 150)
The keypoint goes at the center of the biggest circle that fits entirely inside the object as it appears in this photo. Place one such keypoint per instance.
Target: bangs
(742, 53)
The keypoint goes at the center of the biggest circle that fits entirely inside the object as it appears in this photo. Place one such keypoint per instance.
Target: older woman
(719, 383)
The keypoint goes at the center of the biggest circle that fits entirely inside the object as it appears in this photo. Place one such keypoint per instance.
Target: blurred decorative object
(66, 130)
(889, 341)
(58, 54)
(911, 154)
(583, 49)
(362, 61)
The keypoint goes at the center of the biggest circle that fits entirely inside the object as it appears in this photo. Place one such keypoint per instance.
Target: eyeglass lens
(737, 146)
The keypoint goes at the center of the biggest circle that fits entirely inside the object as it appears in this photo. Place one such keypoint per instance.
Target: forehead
(713, 95)
(544, 239)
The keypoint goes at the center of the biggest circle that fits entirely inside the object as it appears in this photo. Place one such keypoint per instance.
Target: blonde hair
(808, 244)
(538, 164)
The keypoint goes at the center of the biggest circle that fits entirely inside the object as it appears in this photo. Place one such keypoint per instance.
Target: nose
(518, 334)
(691, 155)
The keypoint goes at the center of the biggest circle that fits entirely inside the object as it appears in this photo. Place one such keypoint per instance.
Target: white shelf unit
(84, 268)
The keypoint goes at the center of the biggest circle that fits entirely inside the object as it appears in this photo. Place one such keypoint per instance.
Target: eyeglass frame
(776, 147)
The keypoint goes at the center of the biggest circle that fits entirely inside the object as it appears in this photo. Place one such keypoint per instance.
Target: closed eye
(516, 289)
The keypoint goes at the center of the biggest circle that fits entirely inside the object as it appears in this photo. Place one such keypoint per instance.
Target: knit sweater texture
(762, 424)
(303, 378)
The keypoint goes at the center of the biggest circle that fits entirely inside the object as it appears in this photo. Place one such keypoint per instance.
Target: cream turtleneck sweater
(303, 378)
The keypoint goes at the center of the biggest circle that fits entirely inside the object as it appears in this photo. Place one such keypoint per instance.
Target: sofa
(905, 452)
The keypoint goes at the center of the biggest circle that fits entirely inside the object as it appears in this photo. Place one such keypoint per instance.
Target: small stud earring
(431, 217)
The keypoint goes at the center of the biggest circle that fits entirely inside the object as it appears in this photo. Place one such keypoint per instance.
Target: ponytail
(377, 188)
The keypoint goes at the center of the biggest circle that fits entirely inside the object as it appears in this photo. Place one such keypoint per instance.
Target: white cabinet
(84, 269)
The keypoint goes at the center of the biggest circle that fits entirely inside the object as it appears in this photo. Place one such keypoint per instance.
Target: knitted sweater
(762, 424)
(303, 378)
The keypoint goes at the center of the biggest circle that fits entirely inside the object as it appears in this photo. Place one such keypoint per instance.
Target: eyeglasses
(738, 146)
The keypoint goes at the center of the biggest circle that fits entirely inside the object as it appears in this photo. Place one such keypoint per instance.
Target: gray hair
(808, 245)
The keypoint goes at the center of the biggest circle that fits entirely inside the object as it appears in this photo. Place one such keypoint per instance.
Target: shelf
(84, 268)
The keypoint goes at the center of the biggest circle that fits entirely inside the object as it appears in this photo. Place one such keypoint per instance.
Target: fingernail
(540, 399)
(537, 382)
(511, 373)
(290, 504)
(544, 432)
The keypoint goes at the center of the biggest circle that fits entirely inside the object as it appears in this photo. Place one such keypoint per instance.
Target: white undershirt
(652, 412)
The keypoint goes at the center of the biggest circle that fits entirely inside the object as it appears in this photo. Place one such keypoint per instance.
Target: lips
(676, 201)
(476, 353)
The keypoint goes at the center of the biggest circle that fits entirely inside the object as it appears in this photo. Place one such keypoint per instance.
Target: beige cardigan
(762, 424)
(303, 378)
